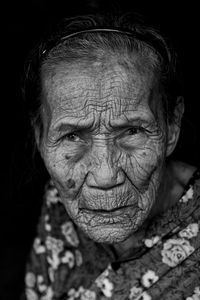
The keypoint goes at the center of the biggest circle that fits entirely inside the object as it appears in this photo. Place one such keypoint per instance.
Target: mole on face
(71, 183)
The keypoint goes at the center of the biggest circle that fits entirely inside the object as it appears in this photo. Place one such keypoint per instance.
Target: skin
(109, 165)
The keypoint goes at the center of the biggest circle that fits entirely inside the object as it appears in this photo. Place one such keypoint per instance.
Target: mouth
(109, 213)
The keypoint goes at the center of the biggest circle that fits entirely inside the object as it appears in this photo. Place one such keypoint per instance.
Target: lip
(109, 213)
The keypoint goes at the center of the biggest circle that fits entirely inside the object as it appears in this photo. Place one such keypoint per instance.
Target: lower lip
(108, 214)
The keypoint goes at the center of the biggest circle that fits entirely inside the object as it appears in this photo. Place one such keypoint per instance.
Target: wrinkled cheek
(143, 164)
(146, 174)
(67, 176)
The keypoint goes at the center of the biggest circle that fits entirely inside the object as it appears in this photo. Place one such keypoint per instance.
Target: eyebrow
(119, 124)
(70, 126)
(129, 121)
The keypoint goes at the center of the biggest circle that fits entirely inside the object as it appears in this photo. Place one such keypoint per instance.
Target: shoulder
(187, 180)
(182, 172)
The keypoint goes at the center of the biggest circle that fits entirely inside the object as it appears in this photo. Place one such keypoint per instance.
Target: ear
(174, 126)
(37, 133)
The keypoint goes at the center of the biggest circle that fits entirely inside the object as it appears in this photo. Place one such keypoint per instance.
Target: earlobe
(174, 126)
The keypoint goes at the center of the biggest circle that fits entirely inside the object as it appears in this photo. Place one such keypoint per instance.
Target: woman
(120, 219)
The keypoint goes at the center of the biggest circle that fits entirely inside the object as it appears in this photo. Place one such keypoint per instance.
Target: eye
(72, 137)
(135, 130)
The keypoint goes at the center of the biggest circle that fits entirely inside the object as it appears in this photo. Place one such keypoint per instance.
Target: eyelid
(68, 134)
(141, 130)
(138, 127)
(81, 133)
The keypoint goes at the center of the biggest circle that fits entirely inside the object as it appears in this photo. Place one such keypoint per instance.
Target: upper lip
(105, 201)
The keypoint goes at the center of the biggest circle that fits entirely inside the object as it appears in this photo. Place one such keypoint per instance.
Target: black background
(23, 177)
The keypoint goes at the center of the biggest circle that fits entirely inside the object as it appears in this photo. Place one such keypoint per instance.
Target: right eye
(72, 137)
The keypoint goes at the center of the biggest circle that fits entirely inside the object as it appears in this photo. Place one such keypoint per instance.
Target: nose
(105, 174)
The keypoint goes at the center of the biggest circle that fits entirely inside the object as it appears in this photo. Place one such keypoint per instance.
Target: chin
(110, 228)
(108, 234)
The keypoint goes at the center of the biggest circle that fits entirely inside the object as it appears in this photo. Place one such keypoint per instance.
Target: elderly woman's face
(104, 145)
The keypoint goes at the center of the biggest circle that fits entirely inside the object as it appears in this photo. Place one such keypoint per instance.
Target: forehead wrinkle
(62, 89)
(78, 93)
(111, 77)
(107, 119)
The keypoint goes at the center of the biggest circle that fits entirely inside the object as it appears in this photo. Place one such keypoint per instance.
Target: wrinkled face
(104, 146)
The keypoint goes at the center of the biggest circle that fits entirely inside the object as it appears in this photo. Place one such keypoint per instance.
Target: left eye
(134, 130)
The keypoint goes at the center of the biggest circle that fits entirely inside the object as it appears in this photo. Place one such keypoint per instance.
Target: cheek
(142, 163)
(145, 169)
(68, 173)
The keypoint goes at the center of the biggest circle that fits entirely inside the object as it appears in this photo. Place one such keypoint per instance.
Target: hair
(84, 39)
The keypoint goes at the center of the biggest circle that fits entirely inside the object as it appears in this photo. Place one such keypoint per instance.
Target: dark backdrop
(23, 176)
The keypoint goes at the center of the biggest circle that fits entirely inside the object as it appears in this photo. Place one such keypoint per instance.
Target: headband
(159, 46)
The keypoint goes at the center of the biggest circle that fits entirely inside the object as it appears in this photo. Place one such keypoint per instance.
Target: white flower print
(55, 246)
(88, 295)
(68, 258)
(197, 290)
(52, 196)
(149, 278)
(30, 279)
(175, 251)
(79, 258)
(135, 293)
(48, 295)
(190, 231)
(84, 294)
(188, 195)
(196, 295)
(54, 261)
(70, 234)
(73, 294)
(105, 285)
(47, 226)
(40, 284)
(40, 278)
(145, 296)
(42, 287)
(51, 274)
(38, 247)
(31, 294)
(151, 242)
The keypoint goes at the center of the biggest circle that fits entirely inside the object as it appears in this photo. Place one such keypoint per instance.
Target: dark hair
(84, 37)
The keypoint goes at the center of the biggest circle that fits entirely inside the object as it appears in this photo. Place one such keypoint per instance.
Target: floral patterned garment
(65, 264)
